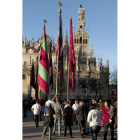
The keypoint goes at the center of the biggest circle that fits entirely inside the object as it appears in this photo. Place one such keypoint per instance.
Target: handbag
(102, 123)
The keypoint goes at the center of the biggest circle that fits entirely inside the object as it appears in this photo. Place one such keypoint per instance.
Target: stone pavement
(32, 133)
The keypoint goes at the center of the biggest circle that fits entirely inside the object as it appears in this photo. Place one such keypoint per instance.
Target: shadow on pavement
(32, 136)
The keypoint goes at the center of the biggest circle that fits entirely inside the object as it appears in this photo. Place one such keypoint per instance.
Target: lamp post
(84, 89)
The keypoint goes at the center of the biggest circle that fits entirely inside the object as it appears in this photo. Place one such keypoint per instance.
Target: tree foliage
(113, 76)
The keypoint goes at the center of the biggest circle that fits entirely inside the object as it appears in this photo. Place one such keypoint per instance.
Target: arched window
(75, 40)
(80, 40)
(86, 41)
(83, 41)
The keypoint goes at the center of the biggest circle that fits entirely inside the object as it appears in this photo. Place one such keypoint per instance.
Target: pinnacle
(66, 37)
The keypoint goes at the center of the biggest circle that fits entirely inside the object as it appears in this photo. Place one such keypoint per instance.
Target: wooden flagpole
(68, 83)
(30, 80)
(57, 78)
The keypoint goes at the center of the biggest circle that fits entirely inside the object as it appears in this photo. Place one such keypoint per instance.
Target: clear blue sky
(100, 18)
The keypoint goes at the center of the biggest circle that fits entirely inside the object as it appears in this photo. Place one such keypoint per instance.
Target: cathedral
(87, 69)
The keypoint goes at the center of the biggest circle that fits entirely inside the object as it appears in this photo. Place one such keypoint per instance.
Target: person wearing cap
(58, 115)
(48, 120)
(36, 108)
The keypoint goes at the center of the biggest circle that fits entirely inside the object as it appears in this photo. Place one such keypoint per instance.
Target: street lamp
(84, 89)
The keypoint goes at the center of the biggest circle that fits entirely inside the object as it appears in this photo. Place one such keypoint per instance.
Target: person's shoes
(71, 136)
(64, 135)
(43, 136)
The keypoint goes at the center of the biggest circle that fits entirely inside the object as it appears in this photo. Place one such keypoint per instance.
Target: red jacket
(105, 114)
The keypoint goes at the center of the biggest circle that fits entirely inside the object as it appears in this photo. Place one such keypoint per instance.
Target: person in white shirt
(74, 107)
(94, 118)
(36, 108)
(49, 100)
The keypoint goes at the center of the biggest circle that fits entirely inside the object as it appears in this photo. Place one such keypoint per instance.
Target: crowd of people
(89, 116)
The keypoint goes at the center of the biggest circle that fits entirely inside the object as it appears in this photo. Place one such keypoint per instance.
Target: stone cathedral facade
(87, 66)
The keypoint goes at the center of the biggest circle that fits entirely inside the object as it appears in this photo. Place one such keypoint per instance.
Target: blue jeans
(94, 131)
(57, 118)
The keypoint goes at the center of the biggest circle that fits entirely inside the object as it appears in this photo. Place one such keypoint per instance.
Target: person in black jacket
(81, 117)
(68, 119)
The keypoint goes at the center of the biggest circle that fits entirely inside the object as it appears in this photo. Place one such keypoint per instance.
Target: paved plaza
(32, 133)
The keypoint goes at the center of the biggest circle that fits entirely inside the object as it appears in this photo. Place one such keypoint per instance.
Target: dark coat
(81, 113)
(68, 118)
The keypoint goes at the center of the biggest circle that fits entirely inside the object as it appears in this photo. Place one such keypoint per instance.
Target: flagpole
(59, 4)
(30, 79)
(68, 83)
(36, 91)
(57, 78)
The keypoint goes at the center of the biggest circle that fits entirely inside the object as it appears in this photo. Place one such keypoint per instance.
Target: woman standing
(48, 120)
(94, 118)
(106, 118)
(68, 119)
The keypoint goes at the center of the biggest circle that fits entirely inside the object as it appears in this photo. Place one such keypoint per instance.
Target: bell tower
(81, 37)
(81, 19)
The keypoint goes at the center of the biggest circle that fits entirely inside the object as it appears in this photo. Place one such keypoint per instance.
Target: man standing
(49, 100)
(58, 115)
(74, 107)
(81, 117)
(36, 108)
